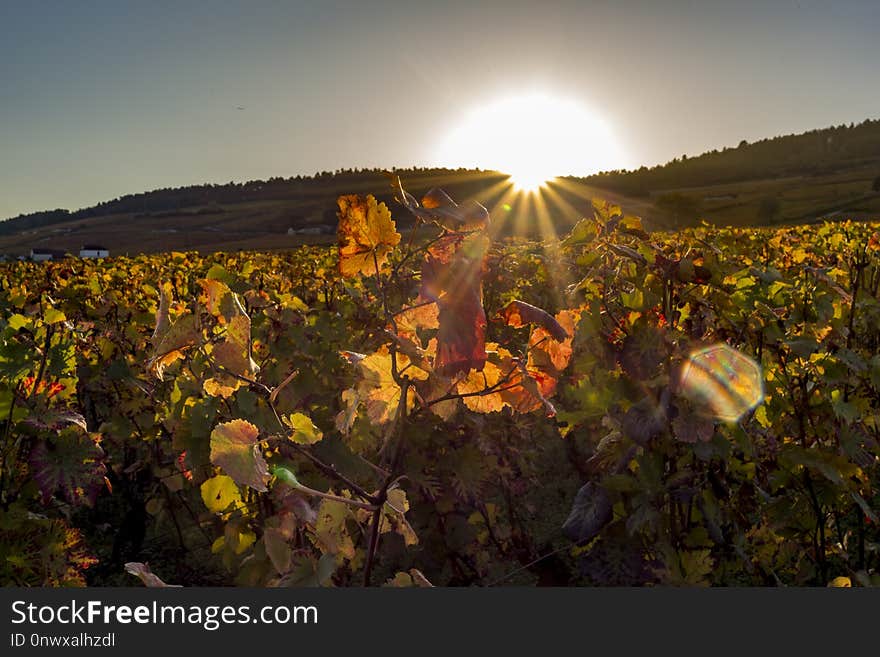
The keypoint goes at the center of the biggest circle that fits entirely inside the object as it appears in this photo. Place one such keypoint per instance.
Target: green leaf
(234, 448)
(590, 512)
(584, 232)
(219, 273)
(309, 573)
(634, 300)
(18, 321)
(71, 462)
(697, 566)
(691, 428)
(643, 421)
(834, 468)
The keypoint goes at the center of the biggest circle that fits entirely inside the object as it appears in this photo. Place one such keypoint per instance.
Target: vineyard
(609, 408)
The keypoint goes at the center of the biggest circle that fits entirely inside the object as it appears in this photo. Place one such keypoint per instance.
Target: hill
(786, 179)
(282, 213)
(801, 178)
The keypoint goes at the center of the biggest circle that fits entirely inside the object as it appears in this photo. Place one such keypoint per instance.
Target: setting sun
(534, 138)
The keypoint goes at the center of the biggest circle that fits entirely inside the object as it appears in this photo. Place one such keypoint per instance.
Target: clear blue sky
(100, 99)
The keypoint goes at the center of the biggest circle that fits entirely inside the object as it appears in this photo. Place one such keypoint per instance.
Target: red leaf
(452, 275)
(519, 313)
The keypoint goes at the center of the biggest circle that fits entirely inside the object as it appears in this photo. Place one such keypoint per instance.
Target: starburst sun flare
(533, 138)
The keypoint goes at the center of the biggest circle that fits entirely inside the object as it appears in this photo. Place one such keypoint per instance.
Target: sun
(534, 138)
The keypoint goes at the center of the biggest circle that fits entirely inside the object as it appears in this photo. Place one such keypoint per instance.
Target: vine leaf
(304, 431)
(56, 420)
(423, 313)
(217, 298)
(395, 510)
(234, 352)
(310, 572)
(549, 354)
(519, 313)
(330, 531)
(170, 345)
(407, 579)
(531, 384)
(219, 492)
(438, 206)
(150, 579)
(590, 512)
(479, 381)
(71, 462)
(277, 549)
(452, 275)
(645, 420)
(366, 234)
(234, 448)
(584, 232)
(377, 389)
(686, 567)
(344, 420)
(688, 427)
(163, 322)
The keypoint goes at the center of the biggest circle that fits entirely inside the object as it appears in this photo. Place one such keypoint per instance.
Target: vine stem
(382, 495)
(336, 498)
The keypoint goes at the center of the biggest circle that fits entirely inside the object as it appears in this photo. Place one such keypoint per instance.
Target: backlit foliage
(613, 408)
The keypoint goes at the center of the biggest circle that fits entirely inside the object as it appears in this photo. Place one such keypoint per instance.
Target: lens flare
(722, 381)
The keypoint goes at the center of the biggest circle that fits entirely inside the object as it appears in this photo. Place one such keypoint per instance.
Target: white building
(93, 251)
(42, 255)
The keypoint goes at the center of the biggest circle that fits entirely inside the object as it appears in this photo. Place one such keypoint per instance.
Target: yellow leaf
(221, 386)
(840, 582)
(366, 235)
(219, 492)
(330, 530)
(304, 430)
(377, 386)
(476, 382)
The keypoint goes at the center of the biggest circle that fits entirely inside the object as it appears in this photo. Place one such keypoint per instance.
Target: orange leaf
(519, 313)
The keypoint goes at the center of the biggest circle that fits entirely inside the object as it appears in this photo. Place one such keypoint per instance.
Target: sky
(100, 99)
